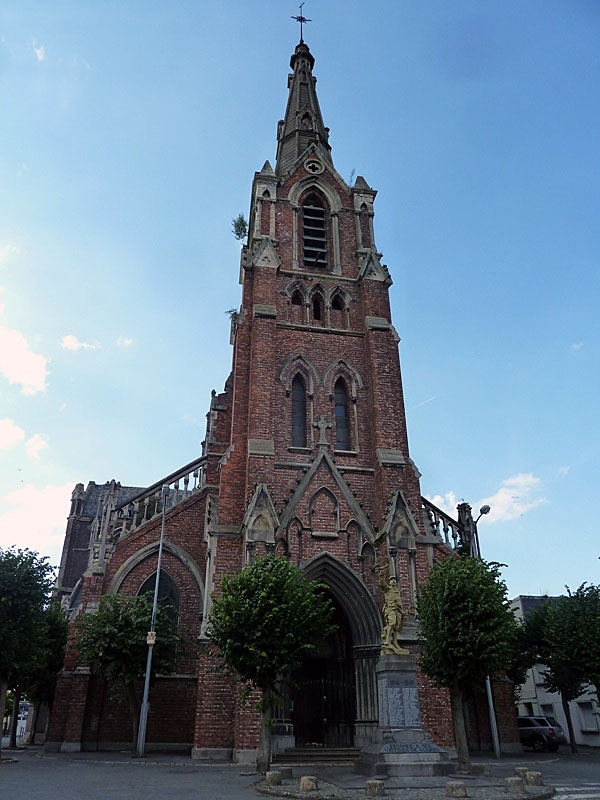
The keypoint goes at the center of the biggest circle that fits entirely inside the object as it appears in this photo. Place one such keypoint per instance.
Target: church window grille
(298, 412)
(314, 233)
(342, 420)
(168, 600)
(168, 594)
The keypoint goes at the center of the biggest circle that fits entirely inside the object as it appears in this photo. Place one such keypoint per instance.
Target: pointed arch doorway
(334, 693)
(323, 691)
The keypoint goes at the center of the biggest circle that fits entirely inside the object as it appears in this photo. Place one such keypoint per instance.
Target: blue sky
(130, 132)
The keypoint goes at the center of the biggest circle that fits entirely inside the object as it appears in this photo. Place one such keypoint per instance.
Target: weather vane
(301, 19)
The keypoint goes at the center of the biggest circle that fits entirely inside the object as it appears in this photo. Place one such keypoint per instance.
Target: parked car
(541, 733)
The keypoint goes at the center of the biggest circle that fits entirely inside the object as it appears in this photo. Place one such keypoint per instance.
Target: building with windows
(535, 700)
(306, 456)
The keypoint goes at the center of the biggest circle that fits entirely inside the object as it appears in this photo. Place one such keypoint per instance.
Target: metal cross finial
(301, 19)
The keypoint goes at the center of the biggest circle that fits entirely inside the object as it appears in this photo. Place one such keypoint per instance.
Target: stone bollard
(375, 788)
(273, 778)
(456, 789)
(521, 771)
(514, 785)
(534, 778)
(308, 783)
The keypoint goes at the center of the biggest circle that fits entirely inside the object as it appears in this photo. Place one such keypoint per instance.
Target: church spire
(303, 123)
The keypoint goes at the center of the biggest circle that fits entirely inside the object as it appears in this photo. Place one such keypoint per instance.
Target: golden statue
(393, 614)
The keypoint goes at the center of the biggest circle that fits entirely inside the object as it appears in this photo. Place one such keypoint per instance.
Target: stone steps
(341, 756)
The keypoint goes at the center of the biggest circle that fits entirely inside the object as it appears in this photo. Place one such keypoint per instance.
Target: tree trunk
(14, 720)
(460, 731)
(3, 689)
(34, 722)
(134, 710)
(567, 710)
(263, 755)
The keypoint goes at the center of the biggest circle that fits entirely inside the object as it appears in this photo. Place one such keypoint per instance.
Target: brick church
(306, 455)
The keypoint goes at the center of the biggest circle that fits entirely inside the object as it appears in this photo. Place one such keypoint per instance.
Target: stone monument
(402, 748)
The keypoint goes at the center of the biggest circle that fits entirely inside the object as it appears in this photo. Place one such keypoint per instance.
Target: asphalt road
(574, 776)
(98, 776)
(67, 778)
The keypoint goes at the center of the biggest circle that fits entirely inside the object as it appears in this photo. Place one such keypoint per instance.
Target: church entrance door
(324, 692)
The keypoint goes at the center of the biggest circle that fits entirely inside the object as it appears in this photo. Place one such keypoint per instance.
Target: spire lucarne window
(314, 233)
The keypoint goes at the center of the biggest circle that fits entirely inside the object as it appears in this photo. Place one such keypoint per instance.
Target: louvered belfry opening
(314, 233)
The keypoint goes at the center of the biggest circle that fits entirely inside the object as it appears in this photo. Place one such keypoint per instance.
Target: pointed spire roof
(303, 123)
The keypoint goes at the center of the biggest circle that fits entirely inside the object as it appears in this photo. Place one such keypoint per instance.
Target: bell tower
(317, 466)
(316, 372)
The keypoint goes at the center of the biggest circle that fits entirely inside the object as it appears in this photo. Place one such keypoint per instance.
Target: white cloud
(36, 519)
(124, 341)
(35, 445)
(19, 364)
(576, 346)
(516, 496)
(10, 434)
(70, 342)
(564, 471)
(39, 50)
(447, 503)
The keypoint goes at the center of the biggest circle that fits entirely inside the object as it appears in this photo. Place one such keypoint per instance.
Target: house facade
(535, 700)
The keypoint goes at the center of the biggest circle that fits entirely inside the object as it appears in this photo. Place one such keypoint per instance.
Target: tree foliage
(239, 227)
(266, 621)
(564, 634)
(25, 587)
(113, 641)
(467, 628)
(467, 632)
(39, 677)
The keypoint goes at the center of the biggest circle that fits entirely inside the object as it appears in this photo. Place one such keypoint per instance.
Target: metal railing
(131, 514)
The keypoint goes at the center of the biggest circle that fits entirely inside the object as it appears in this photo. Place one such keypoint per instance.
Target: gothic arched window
(297, 298)
(168, 594)
(314, 233)
(168, 601)
(298, 412)
(342, 420)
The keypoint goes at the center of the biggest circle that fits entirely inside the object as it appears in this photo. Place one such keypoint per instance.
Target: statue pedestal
(402, 748)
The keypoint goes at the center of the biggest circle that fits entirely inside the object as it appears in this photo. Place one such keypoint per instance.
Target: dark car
(541, 733)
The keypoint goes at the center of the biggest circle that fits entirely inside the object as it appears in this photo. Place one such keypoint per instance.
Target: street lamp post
(469, 528)
(476, 552)
(151, 638)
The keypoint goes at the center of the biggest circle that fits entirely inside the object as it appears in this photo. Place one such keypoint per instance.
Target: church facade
(306, 456)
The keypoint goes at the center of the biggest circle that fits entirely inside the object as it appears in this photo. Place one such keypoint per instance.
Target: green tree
(586, 611)
(239, 227)
(39, 678)
(265, 622)
(467, 632)
(565, 636)
(113, 641)
(25, 587)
